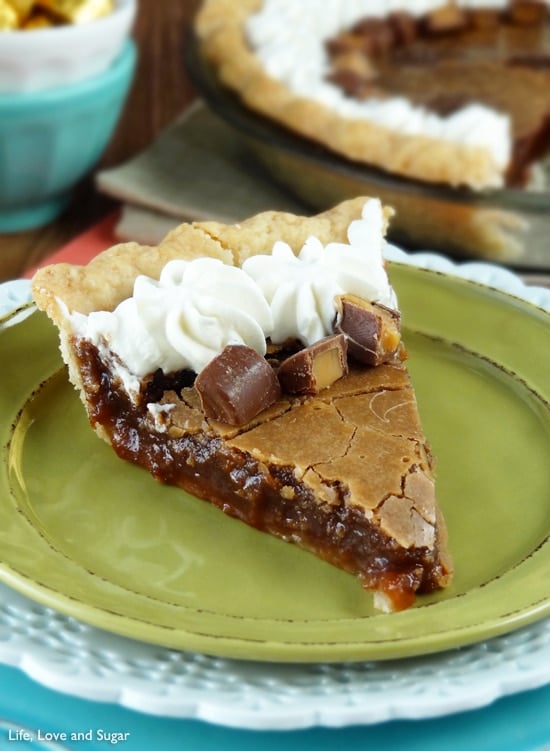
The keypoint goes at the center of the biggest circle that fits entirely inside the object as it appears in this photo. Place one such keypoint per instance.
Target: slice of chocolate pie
(260, 367)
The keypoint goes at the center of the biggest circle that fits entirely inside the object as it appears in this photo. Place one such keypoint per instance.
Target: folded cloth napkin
(196, 169)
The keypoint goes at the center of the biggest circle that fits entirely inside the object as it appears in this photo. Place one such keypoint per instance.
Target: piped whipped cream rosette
(198, 308)
(302, 289)
(184, 319)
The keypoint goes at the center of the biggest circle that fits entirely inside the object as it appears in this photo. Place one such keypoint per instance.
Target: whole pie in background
(445, 92)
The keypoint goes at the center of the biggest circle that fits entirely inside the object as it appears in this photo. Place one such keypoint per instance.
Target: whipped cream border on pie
(273, 53)
(344, 472)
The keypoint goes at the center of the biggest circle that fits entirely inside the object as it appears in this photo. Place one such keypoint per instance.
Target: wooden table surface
(160, 91)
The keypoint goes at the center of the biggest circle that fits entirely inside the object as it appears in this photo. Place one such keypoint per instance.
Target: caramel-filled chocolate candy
(314, 368)
(77, 11)
(237, 385)
(9, 19)
(372, 330)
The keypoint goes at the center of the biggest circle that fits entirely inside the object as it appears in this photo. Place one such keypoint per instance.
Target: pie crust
(345, 473)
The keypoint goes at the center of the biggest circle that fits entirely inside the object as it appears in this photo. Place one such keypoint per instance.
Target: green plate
(97, 538)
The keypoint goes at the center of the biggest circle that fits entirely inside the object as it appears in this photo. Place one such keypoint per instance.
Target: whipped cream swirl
(197, 307)
(301, 289)
(183, 320)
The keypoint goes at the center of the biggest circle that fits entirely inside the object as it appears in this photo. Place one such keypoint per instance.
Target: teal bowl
(50, 139)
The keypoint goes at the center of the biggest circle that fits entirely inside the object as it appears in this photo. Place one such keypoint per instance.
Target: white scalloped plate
(65, 654)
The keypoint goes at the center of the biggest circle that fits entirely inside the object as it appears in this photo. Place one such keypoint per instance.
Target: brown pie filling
(453, 57)
(263, 472)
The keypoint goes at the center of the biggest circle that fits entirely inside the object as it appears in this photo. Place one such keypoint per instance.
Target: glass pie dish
(509, 226)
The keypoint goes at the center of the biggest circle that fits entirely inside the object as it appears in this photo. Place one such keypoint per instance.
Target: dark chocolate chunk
(159, 382)
(316, 367)
(372, 330)
(237, 385)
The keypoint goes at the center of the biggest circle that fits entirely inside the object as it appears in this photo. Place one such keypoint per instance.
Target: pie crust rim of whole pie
(220, 27)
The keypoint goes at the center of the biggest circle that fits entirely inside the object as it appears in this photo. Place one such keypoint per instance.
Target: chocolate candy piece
(372, 330)
(316, 367)
(237, 385)
(77, 11)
